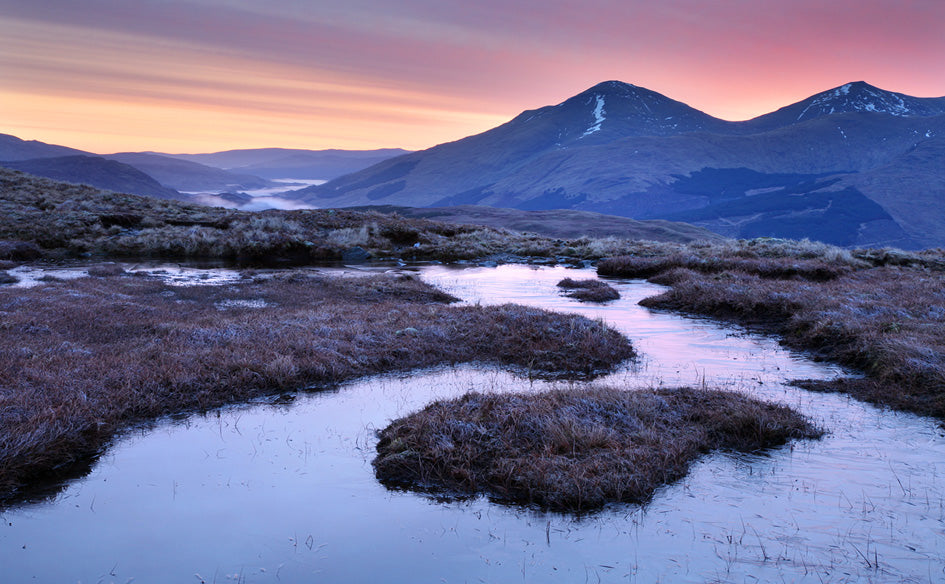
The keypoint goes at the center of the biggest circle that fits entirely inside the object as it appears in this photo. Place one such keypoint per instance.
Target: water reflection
(271, 493)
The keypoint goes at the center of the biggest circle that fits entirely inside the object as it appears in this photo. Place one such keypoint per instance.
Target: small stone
(355, 255)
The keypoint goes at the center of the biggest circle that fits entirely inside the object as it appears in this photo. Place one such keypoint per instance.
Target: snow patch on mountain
(599, 116)
(856, 97)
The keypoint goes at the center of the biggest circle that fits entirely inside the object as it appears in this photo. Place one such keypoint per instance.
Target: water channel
(284, 492)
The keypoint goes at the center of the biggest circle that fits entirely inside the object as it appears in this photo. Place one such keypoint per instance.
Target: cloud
(416, 72)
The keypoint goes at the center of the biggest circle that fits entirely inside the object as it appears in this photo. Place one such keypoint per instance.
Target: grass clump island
(83, 359)
(588, 290)
(574, 449)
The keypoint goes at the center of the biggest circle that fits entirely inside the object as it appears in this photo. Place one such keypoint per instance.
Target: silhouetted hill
(97, 172)
(172, 173)
(13, 148)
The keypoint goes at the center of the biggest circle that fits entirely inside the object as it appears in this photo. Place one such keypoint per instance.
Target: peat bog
(83, 359)
(295, 482)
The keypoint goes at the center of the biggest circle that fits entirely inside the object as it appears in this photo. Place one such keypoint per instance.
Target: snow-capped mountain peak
(859, 97)
(855, 97)
(613, 110)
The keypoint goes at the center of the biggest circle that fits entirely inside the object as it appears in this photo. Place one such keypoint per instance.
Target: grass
(881, 312)
(81, 360)
(575, 449)
(771, 268)
(56, 219)
(588, 290)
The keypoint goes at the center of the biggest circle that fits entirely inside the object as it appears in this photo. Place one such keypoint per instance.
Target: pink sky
(206, 75)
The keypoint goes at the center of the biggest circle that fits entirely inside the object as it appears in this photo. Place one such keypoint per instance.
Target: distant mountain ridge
(287, 163)
(186, 173)
(189, 176)
(13, 149)
(624, 150)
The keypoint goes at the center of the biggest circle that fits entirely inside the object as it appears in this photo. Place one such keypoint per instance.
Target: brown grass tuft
(589, 290)
(817, 270)
(576, 449)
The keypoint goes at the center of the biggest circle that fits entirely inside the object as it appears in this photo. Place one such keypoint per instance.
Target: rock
(355, 255)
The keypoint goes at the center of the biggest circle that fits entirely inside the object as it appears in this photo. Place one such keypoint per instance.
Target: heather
(575, 449)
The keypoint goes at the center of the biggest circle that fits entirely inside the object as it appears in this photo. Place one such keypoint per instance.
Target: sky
(207, 75)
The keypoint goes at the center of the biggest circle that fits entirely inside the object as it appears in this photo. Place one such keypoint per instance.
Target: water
(286, 493)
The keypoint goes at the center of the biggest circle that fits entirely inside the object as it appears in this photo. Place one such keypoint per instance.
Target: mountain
(97, 172)
(851, 97)
(283, 163)
(183, 175)
(13, 148)
(823, 168)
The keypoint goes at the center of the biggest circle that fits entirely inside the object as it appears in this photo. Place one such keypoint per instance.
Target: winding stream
(285, 492)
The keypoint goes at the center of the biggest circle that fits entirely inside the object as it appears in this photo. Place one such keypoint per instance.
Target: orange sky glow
(207, 75)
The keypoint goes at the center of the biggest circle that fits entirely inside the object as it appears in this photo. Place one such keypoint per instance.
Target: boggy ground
(82, 359)
(576, 449)
(881, 312)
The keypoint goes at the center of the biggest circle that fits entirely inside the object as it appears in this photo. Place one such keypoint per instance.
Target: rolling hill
(173, 174)
(97, 172)
(187, 176)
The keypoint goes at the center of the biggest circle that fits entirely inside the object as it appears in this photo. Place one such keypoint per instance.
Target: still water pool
(284, 492)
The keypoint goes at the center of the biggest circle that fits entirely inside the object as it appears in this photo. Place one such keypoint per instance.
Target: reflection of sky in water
(273, 493)
(173, 274)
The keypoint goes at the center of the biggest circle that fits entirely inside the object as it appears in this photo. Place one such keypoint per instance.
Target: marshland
(245, 417)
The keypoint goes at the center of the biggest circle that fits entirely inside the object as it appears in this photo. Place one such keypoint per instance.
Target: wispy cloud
(369, 73)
